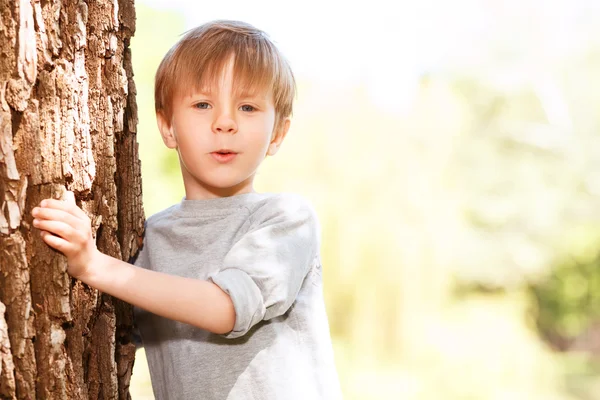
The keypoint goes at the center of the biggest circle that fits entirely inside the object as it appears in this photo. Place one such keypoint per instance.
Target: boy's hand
(73, 231)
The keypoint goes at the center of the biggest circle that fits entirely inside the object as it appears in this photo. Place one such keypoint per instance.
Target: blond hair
(197, 60)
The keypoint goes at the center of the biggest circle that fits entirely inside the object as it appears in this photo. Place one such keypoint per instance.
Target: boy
(227, 286)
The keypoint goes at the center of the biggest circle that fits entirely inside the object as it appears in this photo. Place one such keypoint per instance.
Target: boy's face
(204, 124)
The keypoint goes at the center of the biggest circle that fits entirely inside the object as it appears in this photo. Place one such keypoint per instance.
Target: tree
(67, 122)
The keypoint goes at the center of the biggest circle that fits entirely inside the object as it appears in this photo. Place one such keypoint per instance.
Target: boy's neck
(199, 191)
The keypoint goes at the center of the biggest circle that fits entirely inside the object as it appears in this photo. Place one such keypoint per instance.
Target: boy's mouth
(223, 155)
(224, 151)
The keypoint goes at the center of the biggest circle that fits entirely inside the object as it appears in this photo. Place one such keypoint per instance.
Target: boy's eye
(202, 105)
(247, 107)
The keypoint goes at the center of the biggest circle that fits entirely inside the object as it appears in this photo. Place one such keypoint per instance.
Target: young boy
(227, 286)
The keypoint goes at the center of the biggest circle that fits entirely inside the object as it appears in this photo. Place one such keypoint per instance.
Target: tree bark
(67, 122)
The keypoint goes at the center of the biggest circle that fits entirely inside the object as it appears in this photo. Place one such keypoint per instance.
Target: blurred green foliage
(156, 32)
(568, 300)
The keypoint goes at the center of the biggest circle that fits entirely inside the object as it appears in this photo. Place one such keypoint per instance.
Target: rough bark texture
(67, 122)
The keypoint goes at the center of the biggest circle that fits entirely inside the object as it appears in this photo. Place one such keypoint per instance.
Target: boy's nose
(225, 124)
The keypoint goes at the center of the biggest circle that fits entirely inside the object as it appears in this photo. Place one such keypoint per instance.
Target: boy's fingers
(55, 242)
(58, 228)
(67, 206)
(57, 215)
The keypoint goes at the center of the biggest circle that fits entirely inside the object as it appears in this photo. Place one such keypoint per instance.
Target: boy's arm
(196, 302)
(193, 301)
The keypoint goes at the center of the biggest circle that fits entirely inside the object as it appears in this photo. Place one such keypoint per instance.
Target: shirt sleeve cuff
(246, 297)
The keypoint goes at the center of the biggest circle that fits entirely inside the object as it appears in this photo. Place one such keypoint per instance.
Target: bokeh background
(452, 152)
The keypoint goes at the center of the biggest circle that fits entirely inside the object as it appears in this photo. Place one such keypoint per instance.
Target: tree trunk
(67, 122)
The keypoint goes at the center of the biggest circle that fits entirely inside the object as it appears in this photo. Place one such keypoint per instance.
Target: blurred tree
(67, 122)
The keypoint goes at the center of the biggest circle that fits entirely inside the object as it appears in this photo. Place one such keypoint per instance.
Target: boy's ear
(278, 135)
(166, 131)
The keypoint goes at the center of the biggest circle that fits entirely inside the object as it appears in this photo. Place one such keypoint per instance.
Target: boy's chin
(226, 183)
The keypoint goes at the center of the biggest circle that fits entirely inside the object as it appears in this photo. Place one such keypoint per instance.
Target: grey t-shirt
(263, 250)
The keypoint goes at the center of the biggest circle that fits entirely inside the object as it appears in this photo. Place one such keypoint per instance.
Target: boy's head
(197, 60)
(223, 86)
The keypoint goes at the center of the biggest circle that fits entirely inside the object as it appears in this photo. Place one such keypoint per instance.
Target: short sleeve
(263, 272)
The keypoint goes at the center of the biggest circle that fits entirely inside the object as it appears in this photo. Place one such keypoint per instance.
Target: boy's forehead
(247, 81)
(240, 92)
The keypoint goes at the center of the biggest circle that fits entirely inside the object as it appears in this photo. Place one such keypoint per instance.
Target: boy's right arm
(192, 301)
(66, 228)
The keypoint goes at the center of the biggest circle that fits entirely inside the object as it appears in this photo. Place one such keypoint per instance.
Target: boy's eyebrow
(246, 94)
(258, 94)
(205, 92)
(254, 96)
